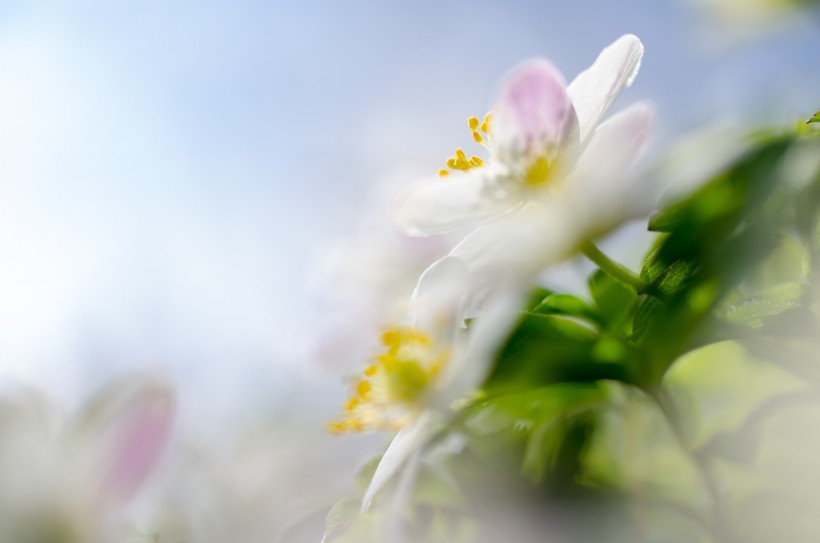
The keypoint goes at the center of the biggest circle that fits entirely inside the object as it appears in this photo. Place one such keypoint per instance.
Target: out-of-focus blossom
(66, 479)
(366, 280)
(555, 176)
(429, 362)
(260, 484)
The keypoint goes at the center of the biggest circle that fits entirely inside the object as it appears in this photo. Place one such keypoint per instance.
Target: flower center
(540, 172)
(459, 161)
(392, 389)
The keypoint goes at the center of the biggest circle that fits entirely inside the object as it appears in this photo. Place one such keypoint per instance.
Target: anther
(363, 388)
(475, 161)
(477, 137)
(485, 125)
(443, 173)
(473, 122)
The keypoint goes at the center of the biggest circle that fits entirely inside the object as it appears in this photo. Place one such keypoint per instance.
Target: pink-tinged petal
(142, 437)
(533, 112)
(596, 88)
(436, 205)
(602, 189)
(409, 440)
(121, 436)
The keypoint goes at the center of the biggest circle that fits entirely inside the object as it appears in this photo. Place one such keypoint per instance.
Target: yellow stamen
(393, 389)
(352, 403)
(460, 162)
(363, 389)
(486, 125)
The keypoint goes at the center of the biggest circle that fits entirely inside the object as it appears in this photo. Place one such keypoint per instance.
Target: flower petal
(438, 300)
(437, 205)
(602, 191)
(597, 87)
(471, 364)
(517, 246)
(533, 112)
(122, 434)
(408, 440)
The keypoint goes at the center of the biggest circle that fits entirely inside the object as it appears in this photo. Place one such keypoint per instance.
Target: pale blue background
(168, 170)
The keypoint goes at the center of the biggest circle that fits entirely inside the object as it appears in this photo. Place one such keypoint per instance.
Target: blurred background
(171, 173)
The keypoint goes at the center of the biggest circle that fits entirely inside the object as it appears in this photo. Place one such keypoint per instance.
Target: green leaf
(550, 426)
(548, 349)
(636, 450)
(716, 388)
(537, 297)
(565, 304)
(614, 300)
(365, 474)
(815, 118)
(712, 240)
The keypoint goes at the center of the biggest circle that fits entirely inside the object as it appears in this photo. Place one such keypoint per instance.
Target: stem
(614, 269)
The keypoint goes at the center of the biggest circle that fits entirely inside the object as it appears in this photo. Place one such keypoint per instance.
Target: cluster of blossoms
(556, 178)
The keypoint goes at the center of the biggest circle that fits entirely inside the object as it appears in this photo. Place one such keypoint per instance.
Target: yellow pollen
(486, 125)
(459, 161)
(363, 389)
(393, 389)
(352, 403)
(337, 427)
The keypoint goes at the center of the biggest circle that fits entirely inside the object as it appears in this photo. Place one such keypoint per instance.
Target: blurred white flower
(429, 362)
(66, 480)
(265, 482)
(366, 280)
(554, 178)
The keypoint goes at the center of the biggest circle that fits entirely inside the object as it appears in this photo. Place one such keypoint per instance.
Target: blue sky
(169, 170)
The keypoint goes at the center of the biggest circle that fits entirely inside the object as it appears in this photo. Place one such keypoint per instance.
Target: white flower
(554, 178)
(429, 362)
(366, 280)
(65, 480)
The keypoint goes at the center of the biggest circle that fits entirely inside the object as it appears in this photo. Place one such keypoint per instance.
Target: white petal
(533, 112)
(406, 442)
(442, 204)
(515, 247)
(438, 300)
(597, 87)
(472, 362)
(602, 189)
